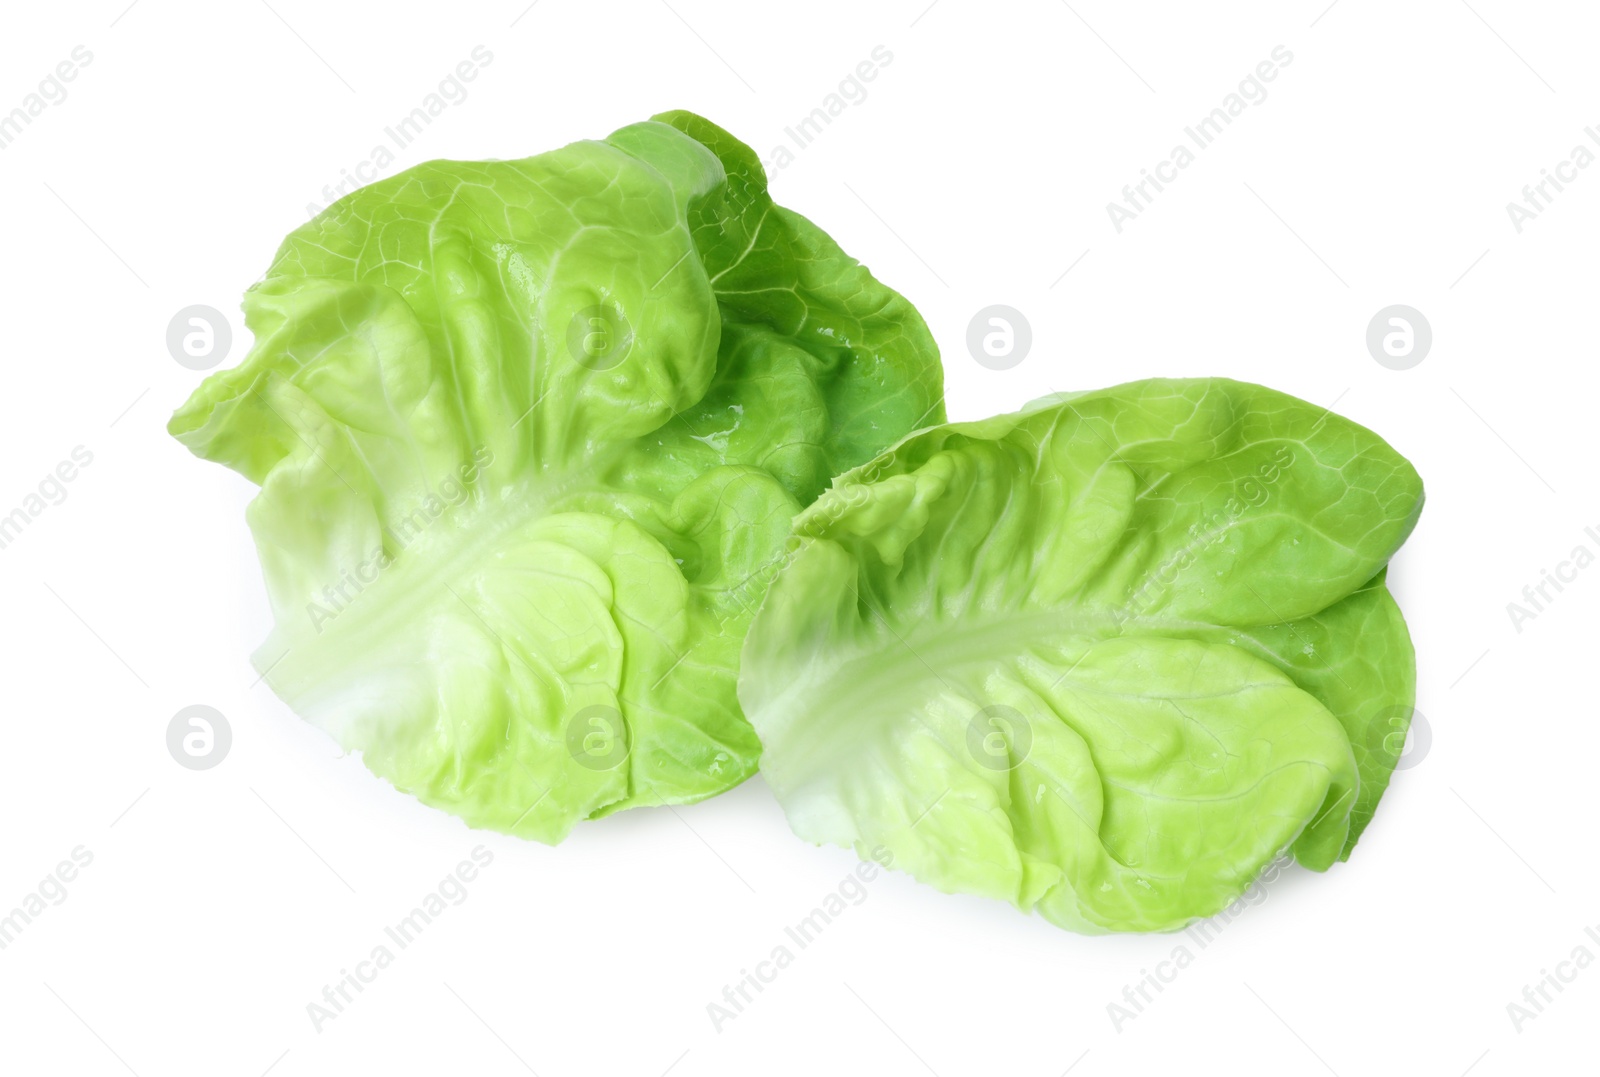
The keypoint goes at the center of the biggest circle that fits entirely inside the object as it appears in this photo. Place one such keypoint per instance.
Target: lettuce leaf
(1104, 658)
(526, 433)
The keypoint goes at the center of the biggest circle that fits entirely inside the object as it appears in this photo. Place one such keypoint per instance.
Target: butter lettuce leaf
(1105, 658)
(526, 434)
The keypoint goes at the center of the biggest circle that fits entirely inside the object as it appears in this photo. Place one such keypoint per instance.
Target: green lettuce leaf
(1104, 658)
(527, 433)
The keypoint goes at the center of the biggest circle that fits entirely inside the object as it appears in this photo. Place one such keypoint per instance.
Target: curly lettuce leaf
(1104, 658)
(526, 433)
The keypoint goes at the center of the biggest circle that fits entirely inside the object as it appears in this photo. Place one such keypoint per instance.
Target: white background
(976, 171)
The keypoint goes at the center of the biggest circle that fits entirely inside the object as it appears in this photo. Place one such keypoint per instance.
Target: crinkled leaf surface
(527, 433)
(1104, 658)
